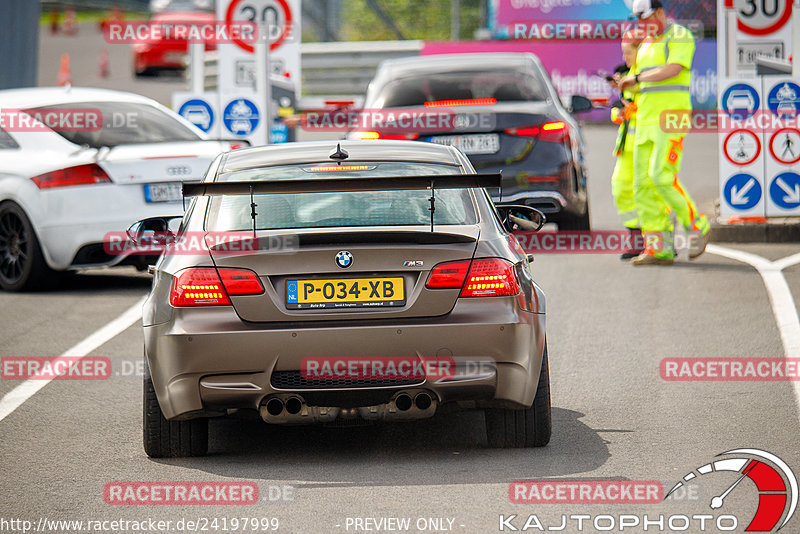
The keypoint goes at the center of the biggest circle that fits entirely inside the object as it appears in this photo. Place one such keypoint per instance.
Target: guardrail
(336, 70)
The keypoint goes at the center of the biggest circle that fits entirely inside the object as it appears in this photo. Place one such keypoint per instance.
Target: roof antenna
(339, 155)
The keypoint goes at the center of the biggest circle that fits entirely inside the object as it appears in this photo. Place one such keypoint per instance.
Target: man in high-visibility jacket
(664, 62)
(624, 114)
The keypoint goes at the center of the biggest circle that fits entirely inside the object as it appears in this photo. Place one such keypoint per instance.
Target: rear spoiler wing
(321, 185)
(389, 183)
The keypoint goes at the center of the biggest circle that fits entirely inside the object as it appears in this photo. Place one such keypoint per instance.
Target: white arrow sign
(792, 196)
(740, 196)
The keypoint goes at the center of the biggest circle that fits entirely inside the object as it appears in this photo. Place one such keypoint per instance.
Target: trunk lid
(385, 279)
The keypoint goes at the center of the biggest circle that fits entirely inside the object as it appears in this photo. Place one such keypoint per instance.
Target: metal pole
(455, 20)
(796, 40)
(197, 67)
(262, 75)
(731, 29)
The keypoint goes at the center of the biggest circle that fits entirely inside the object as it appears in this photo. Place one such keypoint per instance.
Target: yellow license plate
(345, 293)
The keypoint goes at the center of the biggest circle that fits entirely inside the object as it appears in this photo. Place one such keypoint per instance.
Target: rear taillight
(490, 277)
(555, 132)
(379, 135)
(88, 174)
(241, 282)
(450, 275)
(203, 286)
(483, 277)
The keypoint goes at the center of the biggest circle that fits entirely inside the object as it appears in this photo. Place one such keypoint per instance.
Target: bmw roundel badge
(344, 259)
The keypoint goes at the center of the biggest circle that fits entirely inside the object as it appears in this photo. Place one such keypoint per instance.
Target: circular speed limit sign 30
(762, 17)
(275, 15)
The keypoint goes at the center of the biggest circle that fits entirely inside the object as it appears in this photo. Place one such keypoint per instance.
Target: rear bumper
(205, 361)
(72, 218)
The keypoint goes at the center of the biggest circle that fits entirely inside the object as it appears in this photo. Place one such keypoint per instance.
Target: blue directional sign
(742, 191)
(785, 190)
(784, 99)
(198, 112)
(240, 116)
(740, 101)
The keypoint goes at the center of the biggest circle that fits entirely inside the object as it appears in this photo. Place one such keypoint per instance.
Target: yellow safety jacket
(675, 45)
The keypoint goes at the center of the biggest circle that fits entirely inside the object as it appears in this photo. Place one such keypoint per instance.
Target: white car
(77, 164)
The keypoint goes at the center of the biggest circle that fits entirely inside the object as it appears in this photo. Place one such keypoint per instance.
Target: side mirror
(154, 231)
(517, 217)
(580, 104)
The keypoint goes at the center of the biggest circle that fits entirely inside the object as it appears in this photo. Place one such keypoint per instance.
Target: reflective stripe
(663, 88)
(677, 185)
(645, 69)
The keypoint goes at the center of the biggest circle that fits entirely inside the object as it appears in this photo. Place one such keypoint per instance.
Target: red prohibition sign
(772, 151)
(742, 163)
(772, 28)
(287, 27)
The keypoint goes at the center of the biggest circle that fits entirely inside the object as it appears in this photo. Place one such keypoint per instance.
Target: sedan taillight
(88, 174)
(490, 277)
(556, 131)
(449, 275)
(204, 286)
(483, 277)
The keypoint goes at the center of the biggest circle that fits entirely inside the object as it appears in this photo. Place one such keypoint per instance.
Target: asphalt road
(609, 325)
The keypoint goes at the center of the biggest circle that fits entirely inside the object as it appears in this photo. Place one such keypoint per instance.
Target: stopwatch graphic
(775, 481)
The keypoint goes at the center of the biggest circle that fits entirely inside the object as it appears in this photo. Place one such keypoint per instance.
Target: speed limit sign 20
(275, 15)
(761, 17)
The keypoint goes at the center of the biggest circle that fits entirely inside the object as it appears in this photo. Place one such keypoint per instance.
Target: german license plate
(170, 192)
(471, 144)
(345, 293)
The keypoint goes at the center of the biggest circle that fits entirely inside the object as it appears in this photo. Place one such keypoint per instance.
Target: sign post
(245, 69)
(754, 158)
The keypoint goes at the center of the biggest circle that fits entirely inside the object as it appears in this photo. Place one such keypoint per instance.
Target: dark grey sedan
(507, 117)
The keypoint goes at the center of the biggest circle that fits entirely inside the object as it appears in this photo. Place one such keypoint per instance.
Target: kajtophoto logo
(775, 500)
(775, 481)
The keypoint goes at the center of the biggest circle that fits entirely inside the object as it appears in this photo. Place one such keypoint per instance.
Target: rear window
(504, 85)
(340, 209)
(123, 123)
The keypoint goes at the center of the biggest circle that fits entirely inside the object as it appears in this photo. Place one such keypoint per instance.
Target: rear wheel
(22, 264)
(568, 221)
(530, 427)
(169, 439)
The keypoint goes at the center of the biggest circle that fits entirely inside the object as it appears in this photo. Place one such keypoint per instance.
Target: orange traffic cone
(64, 76)
(70, 27)
(104, 71)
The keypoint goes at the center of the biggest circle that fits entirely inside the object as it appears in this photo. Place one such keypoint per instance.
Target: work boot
(646, 259)
(637, 244)
(698, 237)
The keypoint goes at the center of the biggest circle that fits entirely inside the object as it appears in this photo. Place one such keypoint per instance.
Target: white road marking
(783, 307)
(14, 398)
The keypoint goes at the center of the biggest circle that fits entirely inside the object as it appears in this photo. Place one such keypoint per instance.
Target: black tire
(571, 222)
(529, 427)
(169, 439)
(22, 264)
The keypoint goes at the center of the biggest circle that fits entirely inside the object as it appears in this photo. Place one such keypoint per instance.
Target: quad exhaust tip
(293, 405)
(403, 402)
(275, 406)
(423, 401)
